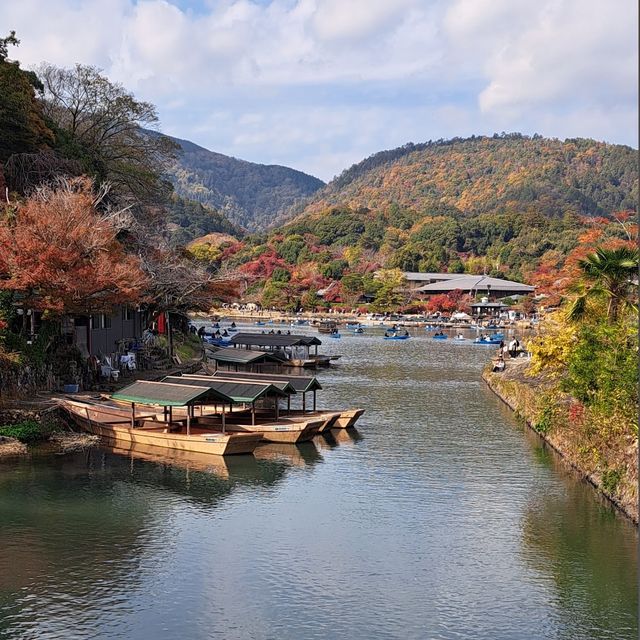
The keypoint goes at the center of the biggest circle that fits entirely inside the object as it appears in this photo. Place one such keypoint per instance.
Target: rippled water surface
(440, 518)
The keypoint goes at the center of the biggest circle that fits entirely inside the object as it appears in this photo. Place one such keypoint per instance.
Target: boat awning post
(288, 404)
(188, 420)
(170, 414)
(277, 408)
(304, 401)
(314, 399)
(253, 413)
(133, 415)
(224, 421)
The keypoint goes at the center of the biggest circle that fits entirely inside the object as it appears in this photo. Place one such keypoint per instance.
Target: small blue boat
(490, 340)
(335, 335)
(259, 323)
(397, 337)
(440, 336)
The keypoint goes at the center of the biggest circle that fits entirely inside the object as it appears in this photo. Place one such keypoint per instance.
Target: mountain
(481, 174)
(253, 196)
(509, 205)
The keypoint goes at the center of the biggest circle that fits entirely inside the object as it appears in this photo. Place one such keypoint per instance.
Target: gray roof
(476, 283)
(274, 340)
(490, 305)
(302, 384)
(241, 356)
(169, 395)
(284, 385)
(416, 276)
(232, 390)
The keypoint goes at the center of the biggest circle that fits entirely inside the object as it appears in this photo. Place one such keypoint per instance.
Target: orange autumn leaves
(60, 254)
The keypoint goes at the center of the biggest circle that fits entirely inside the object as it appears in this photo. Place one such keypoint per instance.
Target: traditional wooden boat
(303, 385)
(283, 431)
(348, 418)
(123, 427)
(327, 326)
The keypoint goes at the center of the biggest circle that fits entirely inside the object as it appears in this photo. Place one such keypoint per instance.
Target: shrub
(27, 431)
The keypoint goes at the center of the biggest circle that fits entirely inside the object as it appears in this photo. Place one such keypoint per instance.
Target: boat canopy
(274, 340)
(242, 356)
(169, 395)
(302, 384)
(234, 391)
(283, 385)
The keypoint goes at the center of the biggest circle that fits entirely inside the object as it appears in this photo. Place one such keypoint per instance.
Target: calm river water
(441, 518)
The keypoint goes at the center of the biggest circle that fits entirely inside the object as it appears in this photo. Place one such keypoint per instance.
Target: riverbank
(21, 428)
(604, 457)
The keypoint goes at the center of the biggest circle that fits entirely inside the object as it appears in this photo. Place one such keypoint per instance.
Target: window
(106, 321)
(127, 313)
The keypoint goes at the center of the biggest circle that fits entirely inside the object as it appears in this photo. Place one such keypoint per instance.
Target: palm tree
(610, 275)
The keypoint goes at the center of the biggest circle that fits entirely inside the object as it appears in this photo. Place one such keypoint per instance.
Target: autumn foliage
(60, 254)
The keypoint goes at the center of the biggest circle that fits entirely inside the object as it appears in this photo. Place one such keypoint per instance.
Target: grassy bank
(602, 451)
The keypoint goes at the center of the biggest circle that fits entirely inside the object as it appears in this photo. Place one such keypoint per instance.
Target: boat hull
(92, 420)
(348, 418)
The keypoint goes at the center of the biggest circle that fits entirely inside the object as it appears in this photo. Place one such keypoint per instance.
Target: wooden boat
(284, 430)
(115, 423)
(348, 418)
(327, 326)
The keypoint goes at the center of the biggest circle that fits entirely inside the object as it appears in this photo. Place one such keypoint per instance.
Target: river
(441, 518)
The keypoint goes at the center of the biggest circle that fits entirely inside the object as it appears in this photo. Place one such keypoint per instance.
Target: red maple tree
(62, 255)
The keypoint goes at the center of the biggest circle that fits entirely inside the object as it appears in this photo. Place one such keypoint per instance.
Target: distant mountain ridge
(253, 196)
(482, 174)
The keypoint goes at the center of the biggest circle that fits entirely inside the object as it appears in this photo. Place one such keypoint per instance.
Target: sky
(318, 85)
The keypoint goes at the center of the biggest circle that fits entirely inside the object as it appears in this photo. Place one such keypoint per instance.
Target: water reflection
(589, 551)
(303, 454)
(439, 518)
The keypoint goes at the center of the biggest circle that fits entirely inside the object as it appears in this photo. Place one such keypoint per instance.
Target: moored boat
(117, 425)
(348, 418)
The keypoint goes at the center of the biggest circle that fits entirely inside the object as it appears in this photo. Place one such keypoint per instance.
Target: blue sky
(320, 84)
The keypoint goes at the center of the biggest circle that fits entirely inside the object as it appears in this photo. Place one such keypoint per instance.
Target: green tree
(22, 126)
(352, 287)
(607, 276)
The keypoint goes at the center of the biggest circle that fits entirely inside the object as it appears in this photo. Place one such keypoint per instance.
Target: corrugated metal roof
(302, 384)
(283, 385)
(242, 356)
(416, 276)
(239, 391)
(481, 283)
(274, 340)
(168, 395)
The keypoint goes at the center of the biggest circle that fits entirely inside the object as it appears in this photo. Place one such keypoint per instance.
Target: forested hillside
(254, 196)
(509, 205)
(500, 173)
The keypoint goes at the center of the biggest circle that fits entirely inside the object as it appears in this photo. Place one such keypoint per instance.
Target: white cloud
(317, 83)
